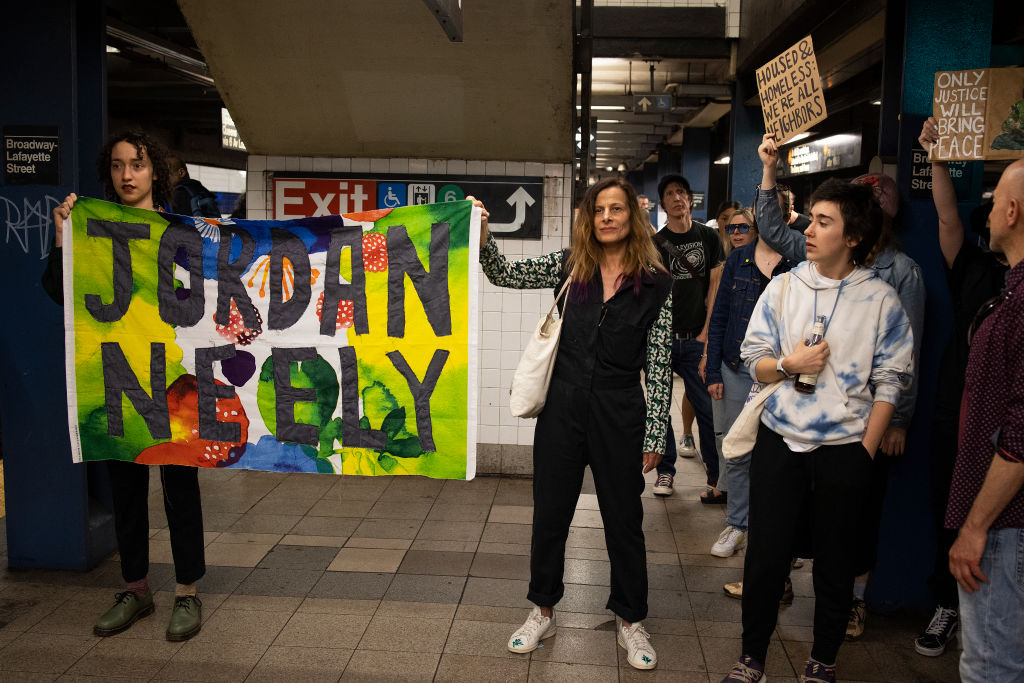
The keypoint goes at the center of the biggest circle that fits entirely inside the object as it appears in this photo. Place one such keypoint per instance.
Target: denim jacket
(737, 293)
(891, 265)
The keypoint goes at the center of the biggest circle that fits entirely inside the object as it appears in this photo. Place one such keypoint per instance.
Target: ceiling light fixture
(721, 161)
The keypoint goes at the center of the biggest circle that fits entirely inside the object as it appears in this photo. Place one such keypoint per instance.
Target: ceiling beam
(187, 62)
(449, 14)
(668, 48)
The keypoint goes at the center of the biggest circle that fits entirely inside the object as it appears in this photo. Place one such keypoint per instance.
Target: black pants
(129, 483)
(867, 544)
(832, 481)
(602, 428)
(943, 450)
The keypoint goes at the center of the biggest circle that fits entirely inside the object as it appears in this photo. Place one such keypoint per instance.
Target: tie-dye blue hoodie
(870, 352)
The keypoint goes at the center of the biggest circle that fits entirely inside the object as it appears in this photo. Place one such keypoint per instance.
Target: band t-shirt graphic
(694, 252)
(700, 246)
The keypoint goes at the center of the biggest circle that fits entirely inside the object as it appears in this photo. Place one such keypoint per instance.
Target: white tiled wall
(218, 179)
(732, 18)
(507, 317)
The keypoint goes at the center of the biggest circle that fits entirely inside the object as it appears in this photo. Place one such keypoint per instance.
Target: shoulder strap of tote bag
(560, 295)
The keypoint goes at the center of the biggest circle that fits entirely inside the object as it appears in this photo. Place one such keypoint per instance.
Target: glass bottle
(806, 381)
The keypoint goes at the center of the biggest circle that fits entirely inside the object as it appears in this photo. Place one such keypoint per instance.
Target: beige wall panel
(379, 78)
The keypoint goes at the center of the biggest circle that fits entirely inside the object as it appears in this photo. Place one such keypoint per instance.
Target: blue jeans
(686, 356)
(992, 617)
(735, 387)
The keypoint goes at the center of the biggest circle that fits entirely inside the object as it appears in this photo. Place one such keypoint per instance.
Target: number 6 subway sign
(516, 203)
(340, 344)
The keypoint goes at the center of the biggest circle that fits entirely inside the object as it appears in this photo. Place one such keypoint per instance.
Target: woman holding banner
(616, 322)
(133, 169)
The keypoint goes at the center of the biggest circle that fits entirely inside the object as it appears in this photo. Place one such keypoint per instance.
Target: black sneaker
(815, 672)
(747, 670)
(941, 629)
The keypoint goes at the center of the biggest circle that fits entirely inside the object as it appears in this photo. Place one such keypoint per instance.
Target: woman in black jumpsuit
(616, 323)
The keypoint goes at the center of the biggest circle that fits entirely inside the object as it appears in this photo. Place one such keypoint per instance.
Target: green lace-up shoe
(128, 608)
(186, 618)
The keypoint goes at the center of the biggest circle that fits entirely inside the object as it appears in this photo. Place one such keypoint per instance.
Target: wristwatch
(778, 366)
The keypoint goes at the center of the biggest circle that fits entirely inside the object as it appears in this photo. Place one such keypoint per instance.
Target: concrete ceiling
(379, 78)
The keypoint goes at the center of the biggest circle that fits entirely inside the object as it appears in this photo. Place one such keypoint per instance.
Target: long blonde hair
(585, 255)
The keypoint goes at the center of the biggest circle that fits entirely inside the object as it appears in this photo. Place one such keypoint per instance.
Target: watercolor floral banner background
(212, 343)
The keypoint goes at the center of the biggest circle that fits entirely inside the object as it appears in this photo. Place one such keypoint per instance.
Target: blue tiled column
(697, 165)
(745, 132)
(939, 35)
(54, 74)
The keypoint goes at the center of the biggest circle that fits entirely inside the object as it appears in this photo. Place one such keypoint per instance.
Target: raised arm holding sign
(790, 90)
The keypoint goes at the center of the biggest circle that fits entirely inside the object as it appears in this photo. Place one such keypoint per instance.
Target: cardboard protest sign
(338, 344)
(980, 114)
(1004, 121)
(790, 89)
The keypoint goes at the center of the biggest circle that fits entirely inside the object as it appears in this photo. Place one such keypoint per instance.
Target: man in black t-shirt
(694, 255)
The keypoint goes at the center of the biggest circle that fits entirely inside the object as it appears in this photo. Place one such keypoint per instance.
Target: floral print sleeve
(531, 273)
(659, 379)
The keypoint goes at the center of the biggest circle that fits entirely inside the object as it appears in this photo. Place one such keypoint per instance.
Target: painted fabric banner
(338, 344)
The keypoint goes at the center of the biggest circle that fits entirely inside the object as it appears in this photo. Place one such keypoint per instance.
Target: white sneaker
(663, 485)
(687, 447)
(729, 541)
(528, 636)
(637, 642)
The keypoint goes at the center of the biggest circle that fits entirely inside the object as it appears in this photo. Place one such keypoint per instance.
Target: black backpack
(201, 202)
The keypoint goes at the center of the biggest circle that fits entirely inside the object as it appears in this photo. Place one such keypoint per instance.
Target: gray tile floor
(407, 579)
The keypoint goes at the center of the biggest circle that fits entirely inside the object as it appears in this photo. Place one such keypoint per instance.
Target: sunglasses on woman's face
(741, 228)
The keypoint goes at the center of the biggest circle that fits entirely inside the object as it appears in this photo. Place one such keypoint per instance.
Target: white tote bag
(529, 389)
(743, 432)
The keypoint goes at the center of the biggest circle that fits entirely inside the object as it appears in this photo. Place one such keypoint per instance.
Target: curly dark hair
(157, 155)
(861, 212)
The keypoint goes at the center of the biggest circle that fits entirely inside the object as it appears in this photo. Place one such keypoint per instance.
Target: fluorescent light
(721, 161)
(604, 107)
(799, 136)
(877, 103)
(111, 50)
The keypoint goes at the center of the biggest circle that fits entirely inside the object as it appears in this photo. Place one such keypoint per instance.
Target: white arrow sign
(644, 103)
(519, 199)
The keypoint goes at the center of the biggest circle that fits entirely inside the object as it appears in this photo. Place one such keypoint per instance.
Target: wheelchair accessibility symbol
(390, 195)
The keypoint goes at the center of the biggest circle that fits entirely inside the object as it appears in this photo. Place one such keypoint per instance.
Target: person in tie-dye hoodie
(813, 451)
